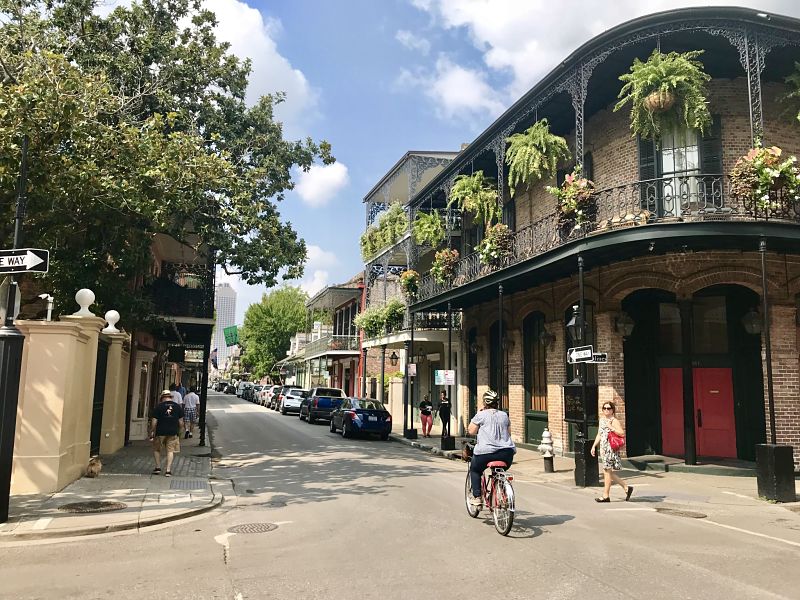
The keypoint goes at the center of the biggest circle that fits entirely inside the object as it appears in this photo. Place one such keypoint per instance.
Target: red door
(671, 385)
(714, 418)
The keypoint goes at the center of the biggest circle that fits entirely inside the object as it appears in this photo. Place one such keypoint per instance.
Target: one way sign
(580, 354)
(24, 260)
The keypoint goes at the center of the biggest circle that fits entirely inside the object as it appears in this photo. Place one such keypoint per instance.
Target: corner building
(672, 260)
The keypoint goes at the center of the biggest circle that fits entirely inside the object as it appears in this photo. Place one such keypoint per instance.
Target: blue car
(361, 415)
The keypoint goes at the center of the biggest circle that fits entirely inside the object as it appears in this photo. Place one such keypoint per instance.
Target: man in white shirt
(190, 403)
(177, 398)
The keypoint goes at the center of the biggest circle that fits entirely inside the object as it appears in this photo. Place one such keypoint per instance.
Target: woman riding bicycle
(493, 443)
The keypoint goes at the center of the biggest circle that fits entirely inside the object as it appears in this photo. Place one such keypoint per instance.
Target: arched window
(588, 339)
(535, 363)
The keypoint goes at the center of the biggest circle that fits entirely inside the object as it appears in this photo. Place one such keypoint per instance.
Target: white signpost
(580, 354)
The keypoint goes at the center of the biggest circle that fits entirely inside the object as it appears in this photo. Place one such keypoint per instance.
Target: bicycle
(496, 491)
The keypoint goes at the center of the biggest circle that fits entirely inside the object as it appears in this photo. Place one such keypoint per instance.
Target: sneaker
(190, 434)
(168, 474)
(186, 435)
(475, 502)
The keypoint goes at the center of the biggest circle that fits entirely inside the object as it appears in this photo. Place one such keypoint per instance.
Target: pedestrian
(608, 458)
(165, 427)
(444, 413)
(180, 389)
(190, 403)
(426, 416)
(177, 397)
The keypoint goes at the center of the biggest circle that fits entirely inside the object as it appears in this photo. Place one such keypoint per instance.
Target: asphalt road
(370, 519)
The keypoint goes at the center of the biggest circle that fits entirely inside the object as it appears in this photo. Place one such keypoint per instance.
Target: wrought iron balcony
(184, 290)
(678, 199)
(431, 320)
(332, 343)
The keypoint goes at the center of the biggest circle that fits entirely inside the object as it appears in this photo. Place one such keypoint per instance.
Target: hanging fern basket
(660, 101)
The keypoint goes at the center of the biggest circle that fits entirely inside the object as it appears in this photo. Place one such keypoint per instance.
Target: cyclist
(494, 442)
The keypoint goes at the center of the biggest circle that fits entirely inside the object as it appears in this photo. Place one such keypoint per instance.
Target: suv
(292, 398)
(321, 402)
(241, 388)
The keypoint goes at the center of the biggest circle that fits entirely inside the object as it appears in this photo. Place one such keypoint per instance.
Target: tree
(137, 126)
(269, 325)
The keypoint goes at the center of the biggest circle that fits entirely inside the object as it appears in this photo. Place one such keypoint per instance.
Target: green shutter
(648, 170)
(710, 191)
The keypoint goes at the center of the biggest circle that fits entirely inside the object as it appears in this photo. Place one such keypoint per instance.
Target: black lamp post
(11, 343)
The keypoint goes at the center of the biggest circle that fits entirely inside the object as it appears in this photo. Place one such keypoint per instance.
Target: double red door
(715, 423)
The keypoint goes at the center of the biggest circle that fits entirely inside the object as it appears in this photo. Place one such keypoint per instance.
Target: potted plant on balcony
(391, 226)
(534, 155)
(428, 229)
(409, 283)
(576, 202)
(664, 91)
(444, 265)
(476, 194)
(759, 175)
(393, 315)
(497, 247)
(371, 321)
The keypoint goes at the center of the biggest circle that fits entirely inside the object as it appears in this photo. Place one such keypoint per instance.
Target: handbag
(615, 440)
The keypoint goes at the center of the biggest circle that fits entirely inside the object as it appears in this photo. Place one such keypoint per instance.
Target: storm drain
(252, 528)
(188, 484)
(93, 506)
(679, 512)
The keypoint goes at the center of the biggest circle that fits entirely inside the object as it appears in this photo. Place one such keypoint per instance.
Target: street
(369, 519)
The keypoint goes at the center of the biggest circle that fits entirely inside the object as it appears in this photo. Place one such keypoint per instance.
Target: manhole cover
(678, 512)
(252, 528)
(93, 506)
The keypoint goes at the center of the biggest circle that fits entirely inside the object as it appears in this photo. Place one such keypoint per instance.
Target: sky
(377, 78)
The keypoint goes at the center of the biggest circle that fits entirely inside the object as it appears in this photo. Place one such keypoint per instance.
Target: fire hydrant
(546, 448)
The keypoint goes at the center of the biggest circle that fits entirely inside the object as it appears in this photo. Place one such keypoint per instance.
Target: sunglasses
(607, 408)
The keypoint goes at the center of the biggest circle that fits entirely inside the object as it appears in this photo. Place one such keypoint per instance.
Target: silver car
(292, 399)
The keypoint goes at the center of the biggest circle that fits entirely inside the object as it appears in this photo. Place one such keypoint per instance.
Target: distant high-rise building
(225, 306)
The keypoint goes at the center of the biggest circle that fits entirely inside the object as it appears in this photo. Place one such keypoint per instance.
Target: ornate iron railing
(676, 199)
(184, 290)
(330, 343)
(431, 320)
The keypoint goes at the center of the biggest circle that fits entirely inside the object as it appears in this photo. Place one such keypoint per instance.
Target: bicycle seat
(497, 463)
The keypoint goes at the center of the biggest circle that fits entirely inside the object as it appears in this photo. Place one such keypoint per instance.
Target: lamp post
(500, 345)
(11, 342)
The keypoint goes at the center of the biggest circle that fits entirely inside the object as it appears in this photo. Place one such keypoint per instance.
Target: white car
(292, 399)
(241, 387)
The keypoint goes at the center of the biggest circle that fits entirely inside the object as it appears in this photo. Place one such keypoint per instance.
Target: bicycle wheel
(472, 511)
(503, 506)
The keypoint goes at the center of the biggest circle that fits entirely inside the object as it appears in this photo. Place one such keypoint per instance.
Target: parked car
(221, 384)
(243, 385)
(361, 415)
(292, 399)
(320, 403)
(251, 393)
(275, 401)
(271, 391)
(229, 388)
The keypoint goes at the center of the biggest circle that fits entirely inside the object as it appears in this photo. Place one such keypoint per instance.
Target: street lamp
(394, 359)
(575, 325)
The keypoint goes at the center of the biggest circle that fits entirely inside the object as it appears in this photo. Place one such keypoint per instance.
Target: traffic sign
(24, 260)
(599, 357)
(231, 335)
(580, 354)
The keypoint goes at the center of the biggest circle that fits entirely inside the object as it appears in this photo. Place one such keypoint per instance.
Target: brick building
(672, 260)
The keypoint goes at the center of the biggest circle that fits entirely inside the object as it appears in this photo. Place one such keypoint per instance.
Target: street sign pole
(11, 342)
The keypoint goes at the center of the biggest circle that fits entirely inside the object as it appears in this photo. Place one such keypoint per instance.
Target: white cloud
(457, 92)
(317, 275)
(413, 42)
(319, 184)
(528, 39)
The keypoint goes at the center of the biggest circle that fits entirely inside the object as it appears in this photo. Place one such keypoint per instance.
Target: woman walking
(444, 413)
(609, 459)
(426, 416)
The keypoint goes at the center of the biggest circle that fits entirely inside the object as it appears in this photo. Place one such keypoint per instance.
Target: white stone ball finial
(112, 317)
(84, 298)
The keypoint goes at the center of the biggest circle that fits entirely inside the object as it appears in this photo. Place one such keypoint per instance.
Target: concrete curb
(216, 502)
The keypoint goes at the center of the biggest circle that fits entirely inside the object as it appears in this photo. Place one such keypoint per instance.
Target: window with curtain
(535, 363)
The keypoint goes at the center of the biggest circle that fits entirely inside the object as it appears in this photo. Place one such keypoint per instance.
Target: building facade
(225, 316)
(671, 259)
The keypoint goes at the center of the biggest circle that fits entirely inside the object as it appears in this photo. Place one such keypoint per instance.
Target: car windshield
(298, 392)
(330, 392)
(367, 404)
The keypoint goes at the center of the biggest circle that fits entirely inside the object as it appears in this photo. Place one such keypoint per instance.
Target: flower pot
(659, 101)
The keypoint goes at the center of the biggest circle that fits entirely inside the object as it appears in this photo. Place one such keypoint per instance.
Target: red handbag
(615, 440)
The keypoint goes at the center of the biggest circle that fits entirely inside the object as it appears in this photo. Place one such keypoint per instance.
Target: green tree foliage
(138, 126)
(269, 325)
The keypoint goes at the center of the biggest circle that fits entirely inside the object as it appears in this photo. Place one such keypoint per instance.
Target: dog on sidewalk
(94, 467)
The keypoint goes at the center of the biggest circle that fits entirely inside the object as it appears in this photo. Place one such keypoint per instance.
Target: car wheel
(332, 427)
(302, 418)
(384, 436)
(346, 433)
(311, 420)
(283, 410)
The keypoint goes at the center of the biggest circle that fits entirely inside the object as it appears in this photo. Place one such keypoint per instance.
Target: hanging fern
(428, 229)
(477, 195)
(391, 226)
(534, 155)
(667, 90)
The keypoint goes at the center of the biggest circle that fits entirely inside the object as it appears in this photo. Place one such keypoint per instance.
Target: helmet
(490, 398)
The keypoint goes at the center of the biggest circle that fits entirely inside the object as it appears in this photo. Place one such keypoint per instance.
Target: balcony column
(204, 392)
(753, 63)
(363, 372)
(577, 92)
(383, 373)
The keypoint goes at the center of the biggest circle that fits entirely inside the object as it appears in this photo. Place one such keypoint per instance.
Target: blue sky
(377, 78)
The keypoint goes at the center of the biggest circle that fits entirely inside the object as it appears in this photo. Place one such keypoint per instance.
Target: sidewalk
(126, 493)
